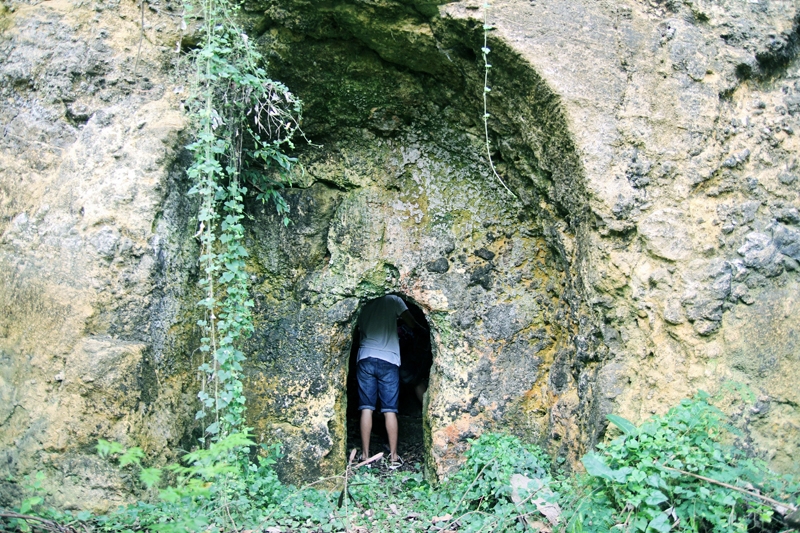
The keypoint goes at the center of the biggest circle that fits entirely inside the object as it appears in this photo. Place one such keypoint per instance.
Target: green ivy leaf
(655, 498)
(656, 481)
(623, 424)
(595, 466)
(29, 503)
(660, 524)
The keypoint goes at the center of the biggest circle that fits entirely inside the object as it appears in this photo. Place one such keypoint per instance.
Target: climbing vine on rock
(243, 122)
(486, 90)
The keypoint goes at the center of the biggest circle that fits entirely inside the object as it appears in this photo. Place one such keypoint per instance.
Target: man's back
(377, 325)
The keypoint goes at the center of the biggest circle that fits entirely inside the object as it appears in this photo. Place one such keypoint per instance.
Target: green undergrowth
(678, 472)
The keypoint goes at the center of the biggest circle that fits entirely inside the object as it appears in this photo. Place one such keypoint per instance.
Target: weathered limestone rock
(651, 250)
(673, 212)
(94, 222)
(497, 313)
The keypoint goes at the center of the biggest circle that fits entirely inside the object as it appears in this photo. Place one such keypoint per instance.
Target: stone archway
(399, 199)
(497, 295)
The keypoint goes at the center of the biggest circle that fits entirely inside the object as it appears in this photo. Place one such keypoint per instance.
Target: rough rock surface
(93, 269)
(651, 250)
(652, 149)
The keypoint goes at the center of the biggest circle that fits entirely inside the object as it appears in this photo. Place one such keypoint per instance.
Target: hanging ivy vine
(244, 123)
(486, 90)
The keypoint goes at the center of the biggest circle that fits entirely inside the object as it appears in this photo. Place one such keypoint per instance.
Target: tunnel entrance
(416, 360)
(396, 194)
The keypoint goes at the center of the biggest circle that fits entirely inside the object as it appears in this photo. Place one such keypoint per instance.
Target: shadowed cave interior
(416, 360)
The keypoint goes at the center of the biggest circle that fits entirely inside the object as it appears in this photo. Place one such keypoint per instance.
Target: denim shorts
(378, 379)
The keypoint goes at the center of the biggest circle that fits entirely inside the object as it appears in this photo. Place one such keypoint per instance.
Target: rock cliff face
(650, 248)
(94, 222)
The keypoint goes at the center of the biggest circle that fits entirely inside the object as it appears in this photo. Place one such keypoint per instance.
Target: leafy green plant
(131, 456)
(260, 479)
(32, 513)
(31, 504)
(673, 473)
(503, 485)
(242, 121)
(34, 486)
(676, 466)
(213, 487)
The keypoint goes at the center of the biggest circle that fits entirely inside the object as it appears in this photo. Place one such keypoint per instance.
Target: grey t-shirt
(377, 324)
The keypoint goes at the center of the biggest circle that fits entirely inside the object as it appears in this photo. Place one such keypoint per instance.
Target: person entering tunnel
(381, 419)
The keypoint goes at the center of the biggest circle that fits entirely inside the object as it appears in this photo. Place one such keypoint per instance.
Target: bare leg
(391, 429)
(366, 429)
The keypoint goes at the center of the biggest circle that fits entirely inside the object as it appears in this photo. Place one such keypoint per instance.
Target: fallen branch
(368, 461)
(775, 503)
(45, 524)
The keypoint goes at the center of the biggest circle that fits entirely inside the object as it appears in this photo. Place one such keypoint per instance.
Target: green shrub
(673, 473)
(214, 488)
(503, 486)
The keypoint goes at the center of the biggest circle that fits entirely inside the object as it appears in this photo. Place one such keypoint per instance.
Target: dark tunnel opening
(416, 360)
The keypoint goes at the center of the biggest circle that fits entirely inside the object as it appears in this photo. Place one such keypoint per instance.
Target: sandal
(394, 465)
